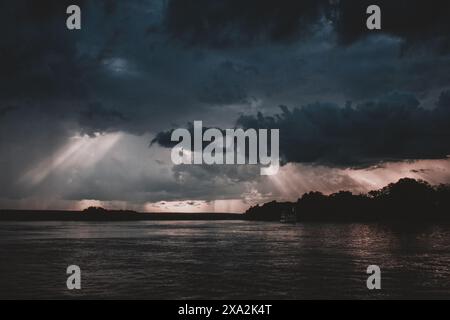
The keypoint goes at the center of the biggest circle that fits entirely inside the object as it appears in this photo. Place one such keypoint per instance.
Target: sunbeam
(80, 151)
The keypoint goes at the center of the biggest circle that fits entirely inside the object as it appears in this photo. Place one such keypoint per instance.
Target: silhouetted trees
(406, 200)
(93, 210)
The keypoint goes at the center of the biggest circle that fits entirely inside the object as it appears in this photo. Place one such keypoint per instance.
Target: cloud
(96, 118)
(164, 138)
(415, 21)
(392, 128)
(285, 54)
(229, 23)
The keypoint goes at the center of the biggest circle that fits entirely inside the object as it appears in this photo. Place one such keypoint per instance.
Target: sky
(84, 114)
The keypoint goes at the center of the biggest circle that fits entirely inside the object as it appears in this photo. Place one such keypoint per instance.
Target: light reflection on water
(222, 259)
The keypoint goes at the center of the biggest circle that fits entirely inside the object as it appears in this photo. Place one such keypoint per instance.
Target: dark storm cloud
(97, 118)
(415, 21)
(150, 79)
(228, 23)
(164, 138)
(394, 127)
(37, 59)
(113, 76)
(64, 72)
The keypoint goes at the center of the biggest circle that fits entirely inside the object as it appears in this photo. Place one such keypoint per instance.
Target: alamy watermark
(374, 280)
(74, 280)
(230, 146)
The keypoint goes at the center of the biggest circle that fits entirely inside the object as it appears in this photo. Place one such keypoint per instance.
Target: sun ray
(80, 151)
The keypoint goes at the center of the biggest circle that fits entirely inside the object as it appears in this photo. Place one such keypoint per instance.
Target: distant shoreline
(125, 216)
(405, 201)
(109, 215)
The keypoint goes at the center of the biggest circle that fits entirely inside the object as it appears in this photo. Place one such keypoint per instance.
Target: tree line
(403, 201)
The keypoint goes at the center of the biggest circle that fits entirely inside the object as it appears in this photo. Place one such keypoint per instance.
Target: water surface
(222, 260)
